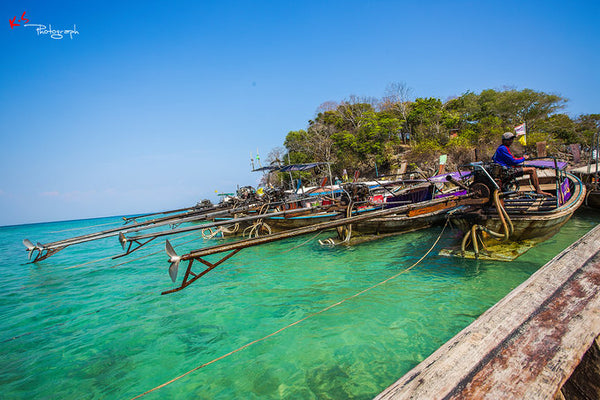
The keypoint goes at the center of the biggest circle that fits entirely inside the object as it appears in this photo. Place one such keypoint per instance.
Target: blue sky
(155, 105)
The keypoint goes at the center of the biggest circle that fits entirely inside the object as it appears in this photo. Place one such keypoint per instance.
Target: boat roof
(545, 164)
(593, 168)
(458, 175)
(291, 167)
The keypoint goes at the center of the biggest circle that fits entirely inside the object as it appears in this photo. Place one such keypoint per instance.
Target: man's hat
(508, 136)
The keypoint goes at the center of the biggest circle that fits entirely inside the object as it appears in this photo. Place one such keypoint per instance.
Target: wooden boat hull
(528, 224)
(525, 227)
(279, 224)
(403, 223)
(592, 199)
(425, 213)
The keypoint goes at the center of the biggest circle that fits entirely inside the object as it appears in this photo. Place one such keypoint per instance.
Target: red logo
(22, 19)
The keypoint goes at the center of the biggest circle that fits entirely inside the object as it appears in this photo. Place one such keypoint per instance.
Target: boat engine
(205, 203)
(355, 193)
(275, 194)
(495, 176)
(247, 194)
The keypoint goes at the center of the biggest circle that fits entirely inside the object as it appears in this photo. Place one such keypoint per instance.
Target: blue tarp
(291, 167)
(299, 167)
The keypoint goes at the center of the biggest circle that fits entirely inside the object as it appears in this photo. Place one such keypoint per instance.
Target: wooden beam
(524, 347)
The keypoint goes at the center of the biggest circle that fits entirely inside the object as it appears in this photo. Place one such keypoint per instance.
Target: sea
(288, 320)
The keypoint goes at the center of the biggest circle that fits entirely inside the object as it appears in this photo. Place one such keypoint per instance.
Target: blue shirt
(504, 157)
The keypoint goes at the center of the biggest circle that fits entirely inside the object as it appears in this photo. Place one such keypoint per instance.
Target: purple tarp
(458, 175)
(545, 163)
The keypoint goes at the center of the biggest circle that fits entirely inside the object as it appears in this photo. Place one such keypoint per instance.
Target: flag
(521, 133)
(258, 159)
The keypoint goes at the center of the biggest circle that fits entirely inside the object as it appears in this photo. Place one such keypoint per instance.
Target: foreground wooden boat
(520, 217)
(528, 345)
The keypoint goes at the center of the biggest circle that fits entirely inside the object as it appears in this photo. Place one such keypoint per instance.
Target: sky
(155, 105)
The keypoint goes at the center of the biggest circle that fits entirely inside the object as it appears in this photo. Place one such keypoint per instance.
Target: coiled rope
(256, 229)
(474, 233)
(209, 233)
(298, 321)
(344, 232)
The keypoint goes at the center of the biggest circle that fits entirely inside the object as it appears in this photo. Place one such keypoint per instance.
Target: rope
(220, 230)
(256, 228)
(258, 225)
(344, 232)
(211, 233)
(473, 233)
(296, 322)
(89, 262)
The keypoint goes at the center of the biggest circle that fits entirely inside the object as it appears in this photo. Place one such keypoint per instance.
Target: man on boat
(504, 157)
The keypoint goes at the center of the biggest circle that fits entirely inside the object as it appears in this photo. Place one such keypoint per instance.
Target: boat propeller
(174, 259)
(31, 247)
(122, 240)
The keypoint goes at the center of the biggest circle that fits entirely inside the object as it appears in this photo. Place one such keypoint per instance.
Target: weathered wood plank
(584, 383)
(525, 346)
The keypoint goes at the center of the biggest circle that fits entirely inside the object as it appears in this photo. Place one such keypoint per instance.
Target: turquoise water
(71, 330)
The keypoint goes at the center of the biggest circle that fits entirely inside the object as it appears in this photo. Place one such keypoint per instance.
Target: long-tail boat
(356, 199)
(203, 211)
(514, 213)
(417, 209)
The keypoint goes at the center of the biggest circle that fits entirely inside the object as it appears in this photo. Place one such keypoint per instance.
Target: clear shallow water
(71, 330)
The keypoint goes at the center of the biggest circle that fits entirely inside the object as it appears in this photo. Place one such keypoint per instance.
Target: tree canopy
(369, 134)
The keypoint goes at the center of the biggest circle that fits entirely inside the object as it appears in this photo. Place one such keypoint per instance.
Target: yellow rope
(296, 322)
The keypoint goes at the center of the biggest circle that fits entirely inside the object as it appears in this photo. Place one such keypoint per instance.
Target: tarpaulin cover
(299, 167)
(291, 167)
(458, 175)
(268, 168)
(545, 164)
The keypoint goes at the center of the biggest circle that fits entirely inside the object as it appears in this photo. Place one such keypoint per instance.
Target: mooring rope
(298, 321)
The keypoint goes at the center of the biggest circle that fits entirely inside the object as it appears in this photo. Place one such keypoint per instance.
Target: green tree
(296, 144)
(559, 126)
(586, 126)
